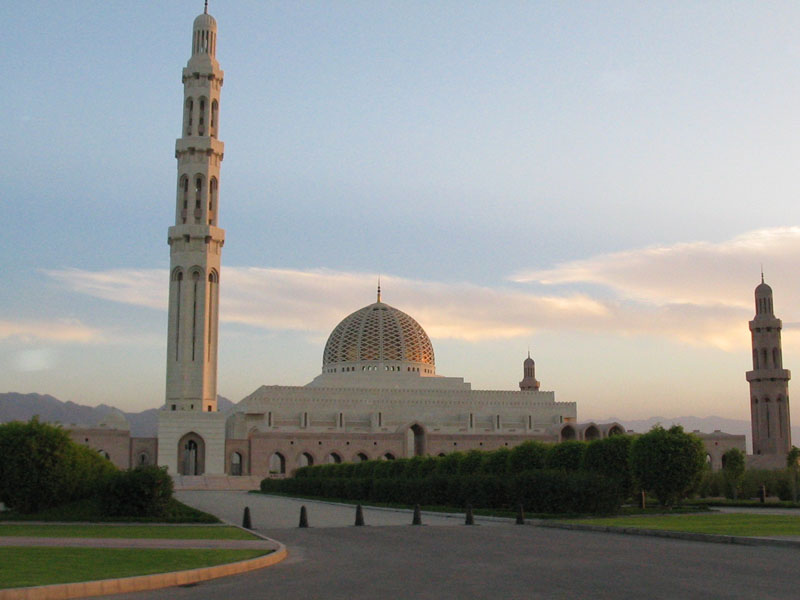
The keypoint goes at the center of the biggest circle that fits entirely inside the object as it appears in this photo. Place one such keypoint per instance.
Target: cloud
(315, 301)
(61, 331)
(695, 273)
(697, 293)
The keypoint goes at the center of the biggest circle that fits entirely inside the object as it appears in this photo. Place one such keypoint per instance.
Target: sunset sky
(598, 182)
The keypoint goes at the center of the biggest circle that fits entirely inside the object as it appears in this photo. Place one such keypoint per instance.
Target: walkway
(277, 512)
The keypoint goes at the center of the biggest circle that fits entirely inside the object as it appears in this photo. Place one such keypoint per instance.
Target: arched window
(755, 359)
(177, 277)
(212, 200)
(201, 117)
(776, 358)
(183, 196)
(305, 460)
(360, 457)
(333, 458)
(143, 459)
(214, 117)
(277, 464)
(764, 364)
(388, 456)
(187, 116)
(198, 190)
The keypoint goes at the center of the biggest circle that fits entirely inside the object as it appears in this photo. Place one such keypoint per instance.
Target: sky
(600, 183)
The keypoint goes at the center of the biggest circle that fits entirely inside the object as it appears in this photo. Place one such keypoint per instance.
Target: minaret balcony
(199, 144)
(769, 374)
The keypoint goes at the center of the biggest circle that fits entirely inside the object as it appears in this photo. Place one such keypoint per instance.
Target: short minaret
(769, 381)
(195, 240)
(529, 375)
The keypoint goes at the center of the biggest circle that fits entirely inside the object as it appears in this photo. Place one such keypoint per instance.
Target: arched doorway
(277, 464)
(236, 464)
(333, 458)
(191, 455)
(305, 460)
(615, 430)
(567, 433)
(415, 440)
(591, 433)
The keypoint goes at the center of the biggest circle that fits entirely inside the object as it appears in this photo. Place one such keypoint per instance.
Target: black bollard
(417, 516)
(359, 516)
(303, 517)
(470, 519)
(246, 522)
(762, 494)
(520, 515)
(642, 499)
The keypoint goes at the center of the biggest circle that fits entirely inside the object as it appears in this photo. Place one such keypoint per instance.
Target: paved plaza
(449, 560)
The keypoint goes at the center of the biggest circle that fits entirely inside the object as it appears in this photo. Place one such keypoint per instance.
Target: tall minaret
(529, 382)
(195, 240)
(769, 381)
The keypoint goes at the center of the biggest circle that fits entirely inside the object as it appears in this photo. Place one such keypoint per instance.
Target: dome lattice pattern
(378, 332)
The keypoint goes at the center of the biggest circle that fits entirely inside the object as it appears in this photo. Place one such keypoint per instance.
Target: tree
(793, 462)
(40, 467)
(611, 457)
(733, 470)
(667, 462)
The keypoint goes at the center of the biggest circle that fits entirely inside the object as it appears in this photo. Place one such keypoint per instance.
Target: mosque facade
(378, 395)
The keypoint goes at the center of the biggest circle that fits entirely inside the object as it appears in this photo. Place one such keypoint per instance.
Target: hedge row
(607, 457)
(779, 483)
(540, 491)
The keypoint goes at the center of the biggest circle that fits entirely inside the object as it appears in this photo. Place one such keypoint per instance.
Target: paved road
(276, 512)
(501, 561)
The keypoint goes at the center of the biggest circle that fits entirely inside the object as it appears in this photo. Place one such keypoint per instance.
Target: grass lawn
(182, 532)
(24, 566)
(90, 509)
(725, 524)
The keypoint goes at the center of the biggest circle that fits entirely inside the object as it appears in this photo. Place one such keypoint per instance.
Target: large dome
(378, 337)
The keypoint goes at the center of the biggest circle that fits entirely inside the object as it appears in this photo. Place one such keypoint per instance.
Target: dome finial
(379, 288)
(205, 8)
(762, 272)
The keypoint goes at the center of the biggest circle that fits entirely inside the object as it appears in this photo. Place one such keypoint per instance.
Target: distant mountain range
(23, 407)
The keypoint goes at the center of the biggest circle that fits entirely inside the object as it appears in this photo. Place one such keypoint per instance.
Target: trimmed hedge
(539, 491)
(145, 491)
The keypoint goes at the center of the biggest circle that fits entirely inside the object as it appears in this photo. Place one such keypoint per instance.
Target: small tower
(529, 382)
(769, 381)
(195, 240)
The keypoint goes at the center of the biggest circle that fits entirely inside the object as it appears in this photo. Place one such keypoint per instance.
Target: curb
(677, 535)
(62, 591)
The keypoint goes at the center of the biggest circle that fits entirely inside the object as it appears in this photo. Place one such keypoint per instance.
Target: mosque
(378, 395)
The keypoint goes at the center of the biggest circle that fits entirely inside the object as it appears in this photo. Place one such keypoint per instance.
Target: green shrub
(667, 462)
(471, 462)
(566, 456)
(41, 467)
(733, 471)
(449, 464)
(496, 462)
(547, 491)
(145, 491)
(527, 456)
(610, 457)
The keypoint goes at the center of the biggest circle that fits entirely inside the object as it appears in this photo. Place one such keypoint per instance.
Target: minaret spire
(769, 383)
(379, 288)
(195, 240)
